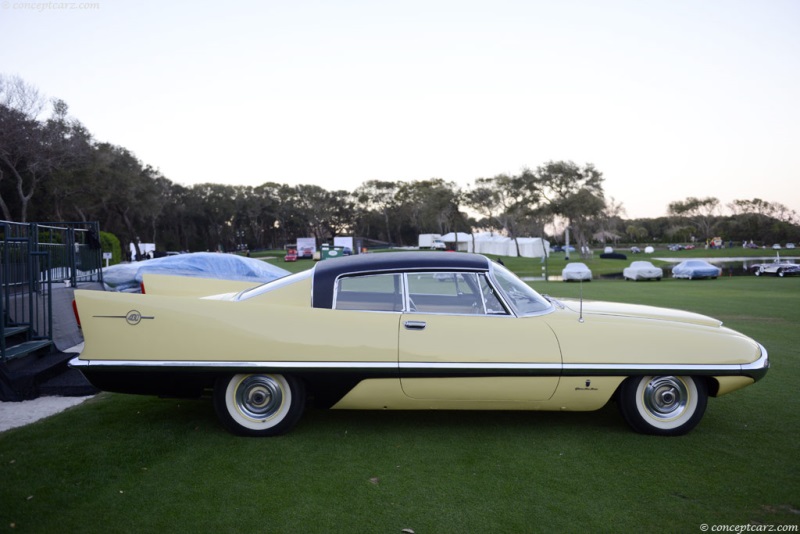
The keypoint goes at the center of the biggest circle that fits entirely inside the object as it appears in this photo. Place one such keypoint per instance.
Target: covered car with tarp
(642, 270)
(128, 277)
(695, 270)
(576, 271)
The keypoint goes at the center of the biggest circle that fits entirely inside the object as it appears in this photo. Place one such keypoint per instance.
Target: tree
(507, 203)
(701, 211)
(32, 151)
(218, 209)
(636, 233)
(376, 196)
(572, 192)
(763, 208)
(429, 206)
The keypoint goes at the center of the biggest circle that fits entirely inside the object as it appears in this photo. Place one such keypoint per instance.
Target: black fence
(33, 257)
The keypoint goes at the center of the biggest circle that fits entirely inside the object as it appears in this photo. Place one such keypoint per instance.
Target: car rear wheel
(259, 404)
(663, 405)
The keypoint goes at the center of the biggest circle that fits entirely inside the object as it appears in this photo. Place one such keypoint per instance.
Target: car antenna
(580, 318)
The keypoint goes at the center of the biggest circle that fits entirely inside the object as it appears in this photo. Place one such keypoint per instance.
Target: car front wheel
(663, 405)
(259, 404)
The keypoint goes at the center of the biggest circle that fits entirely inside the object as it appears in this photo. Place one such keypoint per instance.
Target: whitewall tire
(259, 404)
(663, 405)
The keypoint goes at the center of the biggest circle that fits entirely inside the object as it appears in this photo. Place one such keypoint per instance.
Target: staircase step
(9, 331)
(20, 377)
(28, 347)
(70, 383)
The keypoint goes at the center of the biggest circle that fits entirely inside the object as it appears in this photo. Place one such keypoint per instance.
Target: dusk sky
(668, 99)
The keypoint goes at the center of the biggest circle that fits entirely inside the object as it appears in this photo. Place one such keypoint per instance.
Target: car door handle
(415, 325)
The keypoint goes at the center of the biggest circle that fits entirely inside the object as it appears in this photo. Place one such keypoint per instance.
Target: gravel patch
(16, 414)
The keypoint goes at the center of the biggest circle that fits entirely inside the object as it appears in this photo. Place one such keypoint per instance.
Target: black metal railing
(33, 256)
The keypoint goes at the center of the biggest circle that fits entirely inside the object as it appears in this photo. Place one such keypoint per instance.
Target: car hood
(641, 312)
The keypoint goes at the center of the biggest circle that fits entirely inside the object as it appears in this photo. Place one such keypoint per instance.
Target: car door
(457, 342)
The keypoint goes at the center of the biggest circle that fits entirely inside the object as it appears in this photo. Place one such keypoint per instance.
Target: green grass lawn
(122, 463)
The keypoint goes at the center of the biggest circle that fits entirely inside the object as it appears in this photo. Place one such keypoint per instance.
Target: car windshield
(520, 295)
(275, 284)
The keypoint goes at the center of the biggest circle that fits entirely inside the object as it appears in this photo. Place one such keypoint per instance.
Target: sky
(668, 99)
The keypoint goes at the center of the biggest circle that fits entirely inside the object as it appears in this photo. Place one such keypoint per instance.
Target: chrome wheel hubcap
(665, 397)
(259, 397)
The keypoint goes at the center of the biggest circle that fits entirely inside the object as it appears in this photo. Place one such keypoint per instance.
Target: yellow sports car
(407, 331)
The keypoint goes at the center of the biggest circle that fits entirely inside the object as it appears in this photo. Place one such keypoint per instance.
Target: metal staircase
(33, 258)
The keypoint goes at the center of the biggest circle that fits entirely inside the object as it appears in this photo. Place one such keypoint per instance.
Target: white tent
(533, 247)
(488, 243)
(460, 239)
(491, 243)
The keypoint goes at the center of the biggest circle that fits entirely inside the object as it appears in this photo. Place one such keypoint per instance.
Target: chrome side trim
(196, 364)
(684, 368)
(756, 369)
(480, 366)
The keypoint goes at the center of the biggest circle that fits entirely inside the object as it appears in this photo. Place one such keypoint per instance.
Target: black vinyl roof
(326, 272)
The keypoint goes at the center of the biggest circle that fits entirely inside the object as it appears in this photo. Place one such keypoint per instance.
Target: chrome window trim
(509, 310)
(497, 316)
(504, 299)
(483, 297)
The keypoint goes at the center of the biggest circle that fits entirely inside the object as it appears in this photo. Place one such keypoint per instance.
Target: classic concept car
(777, 267)
(642, 270)
(695, 270)
(407, 331)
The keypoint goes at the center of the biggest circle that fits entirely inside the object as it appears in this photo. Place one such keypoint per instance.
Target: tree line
(52, 169)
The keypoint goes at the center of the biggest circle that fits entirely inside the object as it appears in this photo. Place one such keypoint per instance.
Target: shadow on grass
(148, 413)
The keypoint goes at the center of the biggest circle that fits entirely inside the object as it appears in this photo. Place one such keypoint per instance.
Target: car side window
(378, 292)
(451, 293)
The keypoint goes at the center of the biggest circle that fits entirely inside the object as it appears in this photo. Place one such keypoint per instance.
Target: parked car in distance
(777, 267)
(576, 271)
(790, 245)
(642, 270)
(291, 255)
(438, 244)
(695, 269)
(635, 250)
(386, 332)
